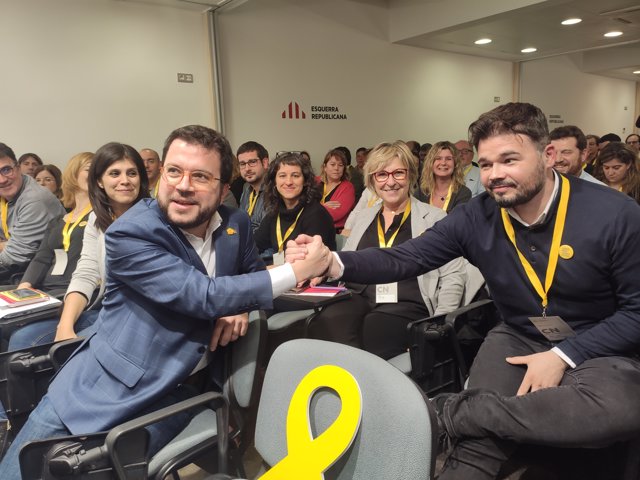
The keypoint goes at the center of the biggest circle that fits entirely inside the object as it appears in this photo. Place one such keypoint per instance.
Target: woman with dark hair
(338, 193)
(117, 180)
(291, 201)
(442, 178)
(49, 177)
(620, 170)
(28, 162)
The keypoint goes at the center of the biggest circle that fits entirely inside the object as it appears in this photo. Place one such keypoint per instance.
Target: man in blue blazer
(181, 272)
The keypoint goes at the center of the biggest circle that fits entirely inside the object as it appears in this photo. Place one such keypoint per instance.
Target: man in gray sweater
(25, 211)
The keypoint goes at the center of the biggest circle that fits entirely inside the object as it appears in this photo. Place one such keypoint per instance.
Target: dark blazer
(595, 290)
(158, 313)
(457, 198)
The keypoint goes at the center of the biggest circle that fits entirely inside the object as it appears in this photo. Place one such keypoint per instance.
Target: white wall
(337, 53)
(594, 103)
(78, 73)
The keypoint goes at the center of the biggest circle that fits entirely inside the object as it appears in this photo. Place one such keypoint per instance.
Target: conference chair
(121, 452)
(442, 347)
(397, 435)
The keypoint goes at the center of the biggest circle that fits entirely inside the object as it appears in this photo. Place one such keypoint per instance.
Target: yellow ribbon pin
(231, 231)
(309, 457)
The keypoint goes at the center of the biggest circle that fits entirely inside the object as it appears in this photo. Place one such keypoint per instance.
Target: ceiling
(454, 25)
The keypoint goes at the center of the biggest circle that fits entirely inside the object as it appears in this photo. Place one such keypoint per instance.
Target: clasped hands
(310, 258)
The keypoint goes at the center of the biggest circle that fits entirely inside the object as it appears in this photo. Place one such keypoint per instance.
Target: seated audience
(56, 259)
(253, 160)
(25, 211)
(153, 166)
(469, 167)
(291, 203)
(338, 193)
(633, 141)
(619, 165)
(50, 177)
(28, 163)
(442, 179)
(377, 322)
(117, 180)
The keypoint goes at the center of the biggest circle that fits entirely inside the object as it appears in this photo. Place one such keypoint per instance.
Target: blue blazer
(158, 313)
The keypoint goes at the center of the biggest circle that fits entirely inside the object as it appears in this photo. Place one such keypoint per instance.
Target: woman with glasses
(49, 177)
(338, 193)
(376, 316)
(291, 203)
(442, 180)
(620, 170)
(117, 179)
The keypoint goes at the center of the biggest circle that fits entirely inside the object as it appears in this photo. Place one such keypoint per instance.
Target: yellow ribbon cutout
(253, 199)
(447, 198)
(558, 228)
(381, 241)
(308, 458)
(279, 237)
(4, 211)
(66, 231)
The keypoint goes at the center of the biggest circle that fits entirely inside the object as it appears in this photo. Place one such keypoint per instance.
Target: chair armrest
(116, 438)
(452, 317)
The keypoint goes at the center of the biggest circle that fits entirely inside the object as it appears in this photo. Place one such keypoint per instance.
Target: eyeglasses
(8, 171)
(198, 179)
(465, 150)
(249, 163)
(633, 142)
(398, 174)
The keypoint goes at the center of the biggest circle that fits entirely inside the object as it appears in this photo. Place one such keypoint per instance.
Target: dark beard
(524, 196)
(202, 217)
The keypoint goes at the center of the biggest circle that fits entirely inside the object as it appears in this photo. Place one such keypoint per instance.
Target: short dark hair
(106, 156)
(6, 151)
(339, 154)
(26, 156)
(515, 118)
(55, 173)
(591, 135)
(310, 190)
(631, 135)
(207, 138)
(252, 146)
(347, 154)
(609, 137)
(567, 131)
(362, 149)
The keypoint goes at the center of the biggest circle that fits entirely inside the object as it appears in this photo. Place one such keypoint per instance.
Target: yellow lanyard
(381, 241)
(253, 199)
(155, 189)
(468, 169)
(555, 246)
(372, 201)
(325, 193)
(4, 208)
(66, 231)
(279, 237)
(446, 200)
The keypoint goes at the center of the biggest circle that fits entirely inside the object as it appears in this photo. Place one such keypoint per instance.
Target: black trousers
(379, 328)
(595, 405)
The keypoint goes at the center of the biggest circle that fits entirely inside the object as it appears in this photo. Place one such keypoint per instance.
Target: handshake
(311, 259)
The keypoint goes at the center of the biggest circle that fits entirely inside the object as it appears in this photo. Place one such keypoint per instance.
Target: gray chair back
(396, 438)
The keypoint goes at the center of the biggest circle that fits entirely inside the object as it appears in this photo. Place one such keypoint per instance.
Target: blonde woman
(442, 180)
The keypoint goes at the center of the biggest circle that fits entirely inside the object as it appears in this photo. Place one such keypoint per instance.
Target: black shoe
(5, 437)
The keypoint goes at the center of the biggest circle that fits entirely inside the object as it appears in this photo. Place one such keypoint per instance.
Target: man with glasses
(254, 161)
(471, 170)
(25, 210)
(633, 141)
(182, 271)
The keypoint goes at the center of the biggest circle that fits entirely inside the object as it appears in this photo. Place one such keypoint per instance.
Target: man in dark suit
(560, 258)
(181, 272)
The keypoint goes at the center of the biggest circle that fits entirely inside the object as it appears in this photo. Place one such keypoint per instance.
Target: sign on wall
(318, 112)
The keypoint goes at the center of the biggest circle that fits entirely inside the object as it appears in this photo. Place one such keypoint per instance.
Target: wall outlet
(496, 99)
(185, 78)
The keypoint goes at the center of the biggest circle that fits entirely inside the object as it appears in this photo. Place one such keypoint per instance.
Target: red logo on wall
(293, 111)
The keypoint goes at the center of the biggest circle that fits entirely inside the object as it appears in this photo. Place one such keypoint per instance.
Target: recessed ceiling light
(482, 41)
(529, 50)
(637, 72)
(613, 34)
(571, 21)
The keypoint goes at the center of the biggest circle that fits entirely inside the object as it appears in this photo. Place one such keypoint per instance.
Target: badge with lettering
(278, 259)
(61, 261)
(553, 328)
(387, 293)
